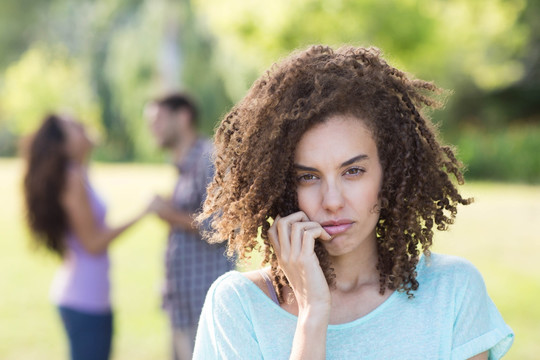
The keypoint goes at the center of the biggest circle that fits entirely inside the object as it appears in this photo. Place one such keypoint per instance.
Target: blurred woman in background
(68, 217)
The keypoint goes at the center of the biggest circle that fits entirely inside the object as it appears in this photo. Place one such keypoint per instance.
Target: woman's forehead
(339, 138)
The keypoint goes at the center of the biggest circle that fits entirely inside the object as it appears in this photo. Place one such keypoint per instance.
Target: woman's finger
(273, 237)
(284, 231)
(309, 236)
(297, 234)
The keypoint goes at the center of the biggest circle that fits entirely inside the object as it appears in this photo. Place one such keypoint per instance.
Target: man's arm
(176, 218)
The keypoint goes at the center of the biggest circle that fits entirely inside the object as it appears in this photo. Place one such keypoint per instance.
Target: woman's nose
(332, 197)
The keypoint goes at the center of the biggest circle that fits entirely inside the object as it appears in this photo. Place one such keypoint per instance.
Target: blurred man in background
(191, 264)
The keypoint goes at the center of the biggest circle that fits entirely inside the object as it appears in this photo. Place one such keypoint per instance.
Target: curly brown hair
(44, 181)
(255, 146)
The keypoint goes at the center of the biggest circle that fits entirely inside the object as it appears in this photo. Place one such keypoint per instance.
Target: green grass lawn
(497, 233)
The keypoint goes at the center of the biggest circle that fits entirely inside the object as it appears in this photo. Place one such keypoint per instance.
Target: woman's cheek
(306, 200)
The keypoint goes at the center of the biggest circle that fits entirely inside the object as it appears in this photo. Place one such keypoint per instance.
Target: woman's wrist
(310, 336)
(314, 316)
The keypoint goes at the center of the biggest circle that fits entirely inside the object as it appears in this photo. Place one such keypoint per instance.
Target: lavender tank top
(270, 286)
(82, 282)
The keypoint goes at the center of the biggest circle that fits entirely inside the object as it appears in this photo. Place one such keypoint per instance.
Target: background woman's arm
(94, 238)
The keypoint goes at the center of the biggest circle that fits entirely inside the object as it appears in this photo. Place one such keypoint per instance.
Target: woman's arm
(94, 238)
(293, 238)
(225, 330)
(310, 336)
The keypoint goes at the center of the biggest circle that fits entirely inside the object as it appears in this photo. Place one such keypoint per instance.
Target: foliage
(119, 48)
(442, 39)
(129, 73)
(136, 67)
(119, 54)
(511, 154)
(49, 80)
(480, 50)
(16, 33)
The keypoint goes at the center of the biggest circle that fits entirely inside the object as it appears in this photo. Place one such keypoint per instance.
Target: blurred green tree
(454, 41)
(45, 80)
(162, 49)
(123, 46)
(17, 30)
(129, 51)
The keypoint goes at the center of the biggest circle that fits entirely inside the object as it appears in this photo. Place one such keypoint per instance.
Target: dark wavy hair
(178, 101)
(44, 180)
(255, 146)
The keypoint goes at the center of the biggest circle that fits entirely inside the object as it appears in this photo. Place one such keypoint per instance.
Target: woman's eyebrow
(304, 168)
(346, 163)
(355, 159)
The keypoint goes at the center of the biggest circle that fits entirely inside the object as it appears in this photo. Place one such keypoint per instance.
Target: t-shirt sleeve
(225, 330)
(478, 325)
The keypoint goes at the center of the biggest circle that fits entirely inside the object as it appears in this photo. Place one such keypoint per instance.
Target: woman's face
(78, 143)
(338, 181)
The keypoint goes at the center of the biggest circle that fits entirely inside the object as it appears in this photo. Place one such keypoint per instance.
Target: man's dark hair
(177, 101)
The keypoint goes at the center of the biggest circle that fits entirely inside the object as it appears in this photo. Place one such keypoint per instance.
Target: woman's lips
(337, 229)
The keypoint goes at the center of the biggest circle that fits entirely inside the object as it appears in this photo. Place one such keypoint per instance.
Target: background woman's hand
(293, 238)
(157, 205)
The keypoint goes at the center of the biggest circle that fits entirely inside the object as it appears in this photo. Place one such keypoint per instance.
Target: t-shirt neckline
(373, 313)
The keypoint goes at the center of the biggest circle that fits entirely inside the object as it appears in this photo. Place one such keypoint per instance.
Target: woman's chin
(337, 246)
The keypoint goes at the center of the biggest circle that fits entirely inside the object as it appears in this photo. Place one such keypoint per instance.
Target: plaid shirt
(191, 264)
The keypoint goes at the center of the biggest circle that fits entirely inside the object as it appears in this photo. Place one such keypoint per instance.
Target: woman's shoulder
(75, 183)
(448, 277)
(445, 261)
(232, 283)
(447, 266)
(76, 176)
(75, 172)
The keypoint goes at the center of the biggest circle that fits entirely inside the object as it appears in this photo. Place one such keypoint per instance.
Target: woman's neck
(356, 269)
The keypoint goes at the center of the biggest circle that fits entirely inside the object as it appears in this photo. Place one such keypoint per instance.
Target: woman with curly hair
(68, 218)
(331, 160)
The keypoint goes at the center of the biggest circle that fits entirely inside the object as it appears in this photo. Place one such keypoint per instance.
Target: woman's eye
(354, 171)
(306, 178)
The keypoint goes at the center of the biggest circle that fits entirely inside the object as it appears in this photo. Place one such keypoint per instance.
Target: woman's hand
(293, 238)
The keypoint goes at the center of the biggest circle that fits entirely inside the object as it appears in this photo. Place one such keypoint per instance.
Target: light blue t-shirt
(450, 317)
